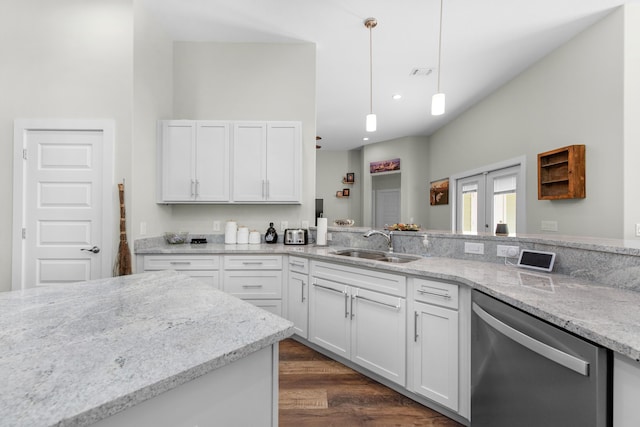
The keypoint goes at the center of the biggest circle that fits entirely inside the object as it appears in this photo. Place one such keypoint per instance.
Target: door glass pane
(470, 212)
(504, 210)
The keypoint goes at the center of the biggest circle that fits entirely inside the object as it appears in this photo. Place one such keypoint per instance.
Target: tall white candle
(321, 233)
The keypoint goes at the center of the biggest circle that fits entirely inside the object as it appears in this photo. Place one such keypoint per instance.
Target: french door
(488, 198)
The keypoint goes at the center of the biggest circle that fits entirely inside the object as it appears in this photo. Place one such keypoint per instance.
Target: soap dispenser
(271, 236)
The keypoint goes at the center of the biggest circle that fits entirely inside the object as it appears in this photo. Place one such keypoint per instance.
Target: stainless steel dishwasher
(526, 372)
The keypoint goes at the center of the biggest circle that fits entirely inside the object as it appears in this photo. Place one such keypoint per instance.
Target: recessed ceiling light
(396, 96)
(365, 139)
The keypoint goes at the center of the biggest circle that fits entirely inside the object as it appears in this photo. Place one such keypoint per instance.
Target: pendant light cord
(440, 46)
(370, 70)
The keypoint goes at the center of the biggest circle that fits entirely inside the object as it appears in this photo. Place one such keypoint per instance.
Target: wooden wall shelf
(561, 173)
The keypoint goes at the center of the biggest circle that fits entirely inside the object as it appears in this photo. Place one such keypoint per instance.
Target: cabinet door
(329, 316)
(178, 160)
(436, 354)
(212, 161)
(249, 162)
(298, 302)
(378, 336)
(283, 162)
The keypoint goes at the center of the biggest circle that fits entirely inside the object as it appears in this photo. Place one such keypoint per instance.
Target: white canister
(230, 233)
(254, 237)
(243, 235)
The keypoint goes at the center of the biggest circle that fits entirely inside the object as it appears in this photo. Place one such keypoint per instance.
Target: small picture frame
(338, 193)
(351, 177)
(439, 192)
(345, 192)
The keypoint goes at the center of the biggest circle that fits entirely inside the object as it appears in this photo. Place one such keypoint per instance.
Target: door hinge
(24, 154)
(24, 233)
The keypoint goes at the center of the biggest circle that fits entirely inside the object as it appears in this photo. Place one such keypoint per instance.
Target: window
(485, 198)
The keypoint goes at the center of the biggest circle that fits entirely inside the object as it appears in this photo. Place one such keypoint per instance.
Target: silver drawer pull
(297, 264)
(180, 262)
(329, 289)
(251, 262)
(423, 292)
(396, 307)
(251, 286)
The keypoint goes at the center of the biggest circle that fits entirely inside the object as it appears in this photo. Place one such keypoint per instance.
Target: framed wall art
(439, 192)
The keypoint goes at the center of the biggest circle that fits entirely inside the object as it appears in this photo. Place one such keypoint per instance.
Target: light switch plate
(549, 226)
(474, 248)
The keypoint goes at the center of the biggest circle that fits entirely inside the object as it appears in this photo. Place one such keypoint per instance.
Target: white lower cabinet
(350, 317)
(298, 295)
(434, 342)
(203, 267)
(626, 391)
(256, 279)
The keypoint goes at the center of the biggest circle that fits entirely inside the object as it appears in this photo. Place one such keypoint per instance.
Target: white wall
(413, 154)
(331, 168)
(152, 101)
(572, 96)
(631, 119)
(242, 82)
(63, 59)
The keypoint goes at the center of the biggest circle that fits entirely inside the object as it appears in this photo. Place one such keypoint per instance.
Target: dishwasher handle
(544, 350)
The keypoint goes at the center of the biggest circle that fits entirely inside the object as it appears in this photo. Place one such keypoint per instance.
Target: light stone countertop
(72, 354)
(606, 315)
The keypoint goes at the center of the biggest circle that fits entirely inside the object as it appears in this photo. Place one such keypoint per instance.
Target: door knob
(94, 249)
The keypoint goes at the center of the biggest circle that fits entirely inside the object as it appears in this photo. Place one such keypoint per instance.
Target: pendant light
(370, 124)
(437, 101)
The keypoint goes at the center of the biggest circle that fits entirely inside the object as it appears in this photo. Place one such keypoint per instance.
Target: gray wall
(572, 96)
(63, 59)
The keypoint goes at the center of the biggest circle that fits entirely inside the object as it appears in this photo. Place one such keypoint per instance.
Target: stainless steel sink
(377, 255)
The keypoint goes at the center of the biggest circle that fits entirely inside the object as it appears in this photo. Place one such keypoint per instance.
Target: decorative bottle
(271, 236)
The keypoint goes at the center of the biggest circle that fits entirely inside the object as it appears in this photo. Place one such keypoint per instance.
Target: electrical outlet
(304, 224)
(508, 251)
(284, 225)
(329, 237)
(474, 248)
(216, 225)
(549, 226)
(637, 230)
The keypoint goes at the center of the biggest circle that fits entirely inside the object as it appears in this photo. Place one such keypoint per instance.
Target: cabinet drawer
(253, 284)
(374, 280)
(298, 265)
(252, 262)
(433, 292)
(271, 305)
(181, 262)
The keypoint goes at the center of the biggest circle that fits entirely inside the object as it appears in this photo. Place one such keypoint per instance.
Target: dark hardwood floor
(318, 391)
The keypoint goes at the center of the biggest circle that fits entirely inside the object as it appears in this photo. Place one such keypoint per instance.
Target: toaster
(296, 236)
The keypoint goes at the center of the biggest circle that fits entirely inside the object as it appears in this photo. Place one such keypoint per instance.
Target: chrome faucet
(389, 237)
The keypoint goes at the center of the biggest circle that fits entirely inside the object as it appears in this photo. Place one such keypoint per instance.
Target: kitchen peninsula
(118, 351)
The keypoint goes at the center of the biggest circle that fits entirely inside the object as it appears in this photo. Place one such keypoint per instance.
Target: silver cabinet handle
(346, 301)
(180, 262)
(302, 291)
(415, 326)
(352, 313)
(252, 286)
(329, 289)
(423, 292)
(544, 350)
(251, 262)
(193, 184)
(197, 187)
(267, 189)
(296, 264)
(395, 307)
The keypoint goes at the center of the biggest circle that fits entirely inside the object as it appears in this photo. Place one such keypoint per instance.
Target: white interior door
(62, 212)
(386, 207)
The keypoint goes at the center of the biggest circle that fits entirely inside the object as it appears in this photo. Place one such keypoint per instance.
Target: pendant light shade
(371, 124)
(437, 104)
(437, 100)
(371, 121)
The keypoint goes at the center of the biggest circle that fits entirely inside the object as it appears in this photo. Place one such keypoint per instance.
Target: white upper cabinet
(267, 162)
(225, 162)
(194, 161)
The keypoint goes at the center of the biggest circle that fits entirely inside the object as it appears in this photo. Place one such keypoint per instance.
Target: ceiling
(484, 45)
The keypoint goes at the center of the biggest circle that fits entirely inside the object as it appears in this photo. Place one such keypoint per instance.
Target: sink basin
(377, 255)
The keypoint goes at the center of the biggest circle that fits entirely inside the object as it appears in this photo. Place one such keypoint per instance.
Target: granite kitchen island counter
(75, 354)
